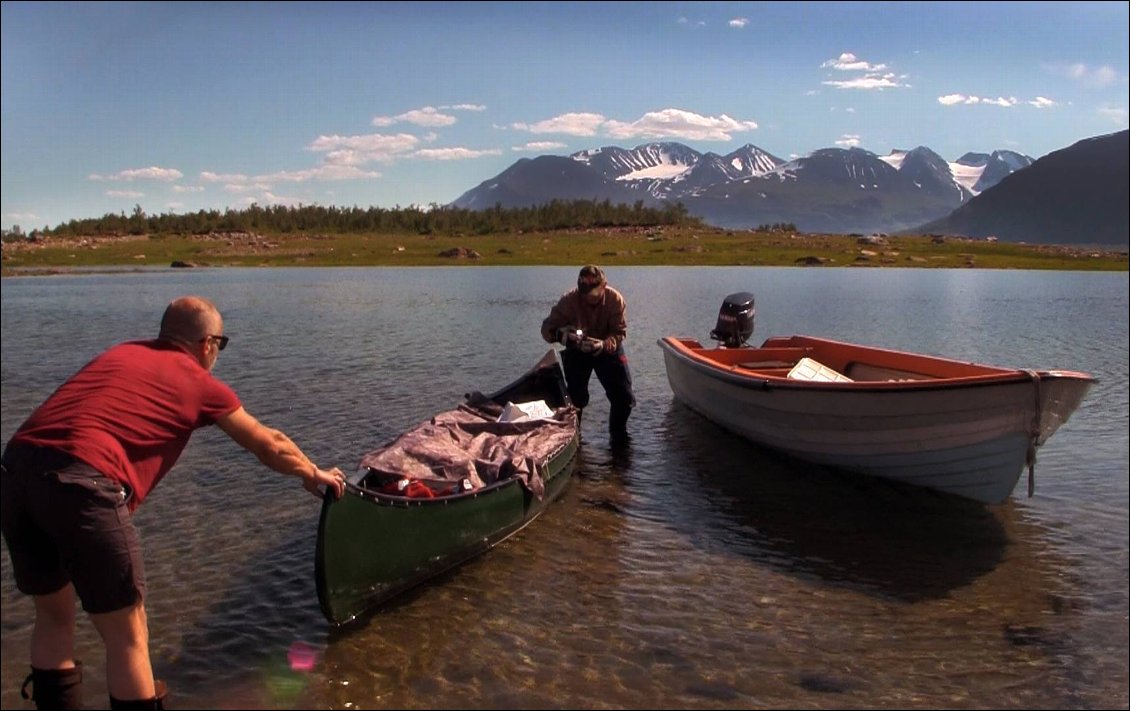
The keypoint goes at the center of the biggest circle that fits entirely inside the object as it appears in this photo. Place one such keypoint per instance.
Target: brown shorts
(65, 522)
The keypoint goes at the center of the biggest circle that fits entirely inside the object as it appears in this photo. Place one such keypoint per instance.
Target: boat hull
(963, 429)
(372, 547)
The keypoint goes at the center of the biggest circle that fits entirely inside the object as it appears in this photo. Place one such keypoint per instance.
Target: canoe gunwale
(383, 499)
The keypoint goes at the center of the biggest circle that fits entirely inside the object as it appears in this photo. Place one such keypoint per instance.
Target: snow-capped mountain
(968, 170)
(666, 169)
(1077, 195)
(829, 190)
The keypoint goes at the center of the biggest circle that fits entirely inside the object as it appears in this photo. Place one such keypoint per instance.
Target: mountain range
(831, 190)
(1076, 195)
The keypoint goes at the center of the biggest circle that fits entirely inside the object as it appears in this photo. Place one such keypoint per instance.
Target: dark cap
(590, 277)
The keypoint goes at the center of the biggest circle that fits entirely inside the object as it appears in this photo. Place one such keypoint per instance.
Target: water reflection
(523, 626)
(266, 626)
(690, 570)
(883, 538)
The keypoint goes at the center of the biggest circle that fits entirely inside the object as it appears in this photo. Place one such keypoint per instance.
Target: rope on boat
(1033, 435)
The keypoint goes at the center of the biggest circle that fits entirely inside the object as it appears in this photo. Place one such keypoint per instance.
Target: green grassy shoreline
(690, 246)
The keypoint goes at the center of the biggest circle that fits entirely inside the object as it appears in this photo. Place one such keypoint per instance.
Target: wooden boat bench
(867, 372)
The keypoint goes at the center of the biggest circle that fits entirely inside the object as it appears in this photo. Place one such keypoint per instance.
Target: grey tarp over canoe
(469, 443)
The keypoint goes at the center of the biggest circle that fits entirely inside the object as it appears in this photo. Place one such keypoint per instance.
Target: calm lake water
(694, 571)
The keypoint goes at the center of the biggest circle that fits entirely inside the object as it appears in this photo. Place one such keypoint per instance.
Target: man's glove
(593, 346)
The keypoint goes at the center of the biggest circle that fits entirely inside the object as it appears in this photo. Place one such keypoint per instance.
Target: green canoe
(446, 491)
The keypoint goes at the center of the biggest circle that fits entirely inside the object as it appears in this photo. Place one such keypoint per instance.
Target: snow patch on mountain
(967, 175)
(663, 171)
(894, 159)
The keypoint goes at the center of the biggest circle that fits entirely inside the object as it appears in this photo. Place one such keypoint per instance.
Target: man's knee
(125, 628)
(57, 608)
(579, 397)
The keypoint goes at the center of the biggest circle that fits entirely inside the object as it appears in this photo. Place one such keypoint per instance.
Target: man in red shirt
(75, 471)
(590, 322)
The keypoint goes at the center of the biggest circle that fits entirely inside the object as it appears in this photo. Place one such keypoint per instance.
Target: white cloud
(1116, 115)
(426, 116)
(464, 107)
(368, 148)
(540, 146)
(676, 123)
(1090, 77)
(239, 183)
(269, 198)
(962, 99)
(739, 22)
(1041, 102)
(952, 99)
(272, 199)
(245, 187)
(210, 177)
(848, 141)
(848, 62)
(571, 124)
(151, 173)
(321, 172)
(667, 123)
(188, 188)
(125, 193)
(23, 216)
(870, 81)
(454, 153)
(872, 76)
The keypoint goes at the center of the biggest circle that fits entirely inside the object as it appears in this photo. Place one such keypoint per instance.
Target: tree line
(437, 219)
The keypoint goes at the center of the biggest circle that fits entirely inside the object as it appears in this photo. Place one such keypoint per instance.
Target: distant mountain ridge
(831, 190)
(1076, 195)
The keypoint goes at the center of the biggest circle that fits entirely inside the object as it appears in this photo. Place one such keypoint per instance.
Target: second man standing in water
(590, 322)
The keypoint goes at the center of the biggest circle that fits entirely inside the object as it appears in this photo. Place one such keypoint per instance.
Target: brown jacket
(604, 320)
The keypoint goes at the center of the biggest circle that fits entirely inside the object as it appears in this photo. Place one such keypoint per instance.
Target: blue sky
(179, 107)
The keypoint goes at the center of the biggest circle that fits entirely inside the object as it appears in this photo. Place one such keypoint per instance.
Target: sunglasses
(221, 341)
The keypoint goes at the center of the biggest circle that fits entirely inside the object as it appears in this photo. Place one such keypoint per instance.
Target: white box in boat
(808, 369)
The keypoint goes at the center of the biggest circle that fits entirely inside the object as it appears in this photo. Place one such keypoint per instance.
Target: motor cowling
(735, 320)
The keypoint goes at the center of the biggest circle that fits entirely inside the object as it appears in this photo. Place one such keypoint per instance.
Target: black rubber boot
(55, 688)
(157, 702)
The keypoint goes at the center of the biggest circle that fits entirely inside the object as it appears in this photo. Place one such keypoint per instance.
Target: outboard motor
(735, 320)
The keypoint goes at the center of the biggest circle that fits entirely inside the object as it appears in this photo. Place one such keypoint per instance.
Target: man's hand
(567, 334)
(592, 346)
(333, 479)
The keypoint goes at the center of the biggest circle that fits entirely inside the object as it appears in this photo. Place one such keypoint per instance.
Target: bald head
(189, 319)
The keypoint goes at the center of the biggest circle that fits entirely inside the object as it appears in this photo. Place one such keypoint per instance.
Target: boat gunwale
(751, 378)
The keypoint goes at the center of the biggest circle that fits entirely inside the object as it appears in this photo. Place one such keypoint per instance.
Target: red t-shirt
(129, 412)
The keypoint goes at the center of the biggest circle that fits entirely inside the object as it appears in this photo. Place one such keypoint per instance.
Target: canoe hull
(371, 547)
(959, 428)
(375, 549)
